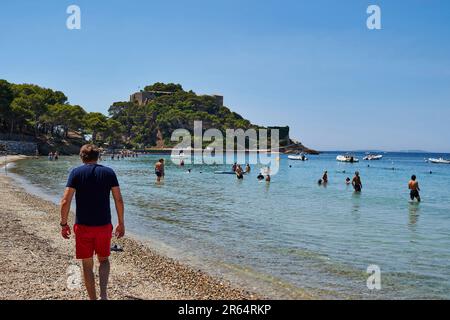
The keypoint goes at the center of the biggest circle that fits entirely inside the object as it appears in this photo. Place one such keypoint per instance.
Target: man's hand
(120, 231)
(65, 232)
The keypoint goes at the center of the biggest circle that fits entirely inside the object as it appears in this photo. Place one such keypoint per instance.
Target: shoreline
(37, 262)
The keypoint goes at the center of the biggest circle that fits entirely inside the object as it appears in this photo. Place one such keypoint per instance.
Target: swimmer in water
(325, 177)
(247, 168)
(260, 176)
(356, 182)
(239, 172)
(347, 181)
(413, 186)
(159, 170)
(268, 178)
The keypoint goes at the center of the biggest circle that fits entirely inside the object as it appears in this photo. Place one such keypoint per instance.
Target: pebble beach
(38, 264)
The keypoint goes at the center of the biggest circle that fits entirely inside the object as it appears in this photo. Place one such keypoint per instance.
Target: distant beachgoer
(56, 155)
(268, 178)
(182, 163)
(50, 156)
(92, 185)
(234, 167)
(159, 170)
(260, 176)
(325, 177)
(413, 185)
(319, 182)
(239, 172)
(347, 181)
(189, 170)
(356, 182)
(247, 168)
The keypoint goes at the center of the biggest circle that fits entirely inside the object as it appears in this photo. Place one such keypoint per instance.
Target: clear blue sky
(312, 65)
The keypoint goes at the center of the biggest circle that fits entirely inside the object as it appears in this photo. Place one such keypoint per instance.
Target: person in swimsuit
(247, 168)
(413, 186)
(234, 167)
(239, 172)
(347, 181)
(159, 170)
(268, 178)
(325, 177)
(260, 176)
(356, 182)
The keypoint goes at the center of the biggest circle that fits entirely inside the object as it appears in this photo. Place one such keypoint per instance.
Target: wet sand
(37, 263)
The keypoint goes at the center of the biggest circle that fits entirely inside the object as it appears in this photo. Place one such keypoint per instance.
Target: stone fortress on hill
(288, 145)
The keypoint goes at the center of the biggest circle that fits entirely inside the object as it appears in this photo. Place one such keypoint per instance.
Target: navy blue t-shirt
(93, 184)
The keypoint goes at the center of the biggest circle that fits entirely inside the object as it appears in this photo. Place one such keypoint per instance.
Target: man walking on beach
(92, 185)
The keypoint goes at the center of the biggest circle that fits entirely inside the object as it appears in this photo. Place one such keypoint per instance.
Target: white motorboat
(371, 157)
(347, 158)
(439, 161)
(298, 157)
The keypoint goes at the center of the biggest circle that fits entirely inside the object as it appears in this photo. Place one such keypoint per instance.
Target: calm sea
(292, 235)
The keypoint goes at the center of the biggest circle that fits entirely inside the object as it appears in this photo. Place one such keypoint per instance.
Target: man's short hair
(413, 178)
(89, 152)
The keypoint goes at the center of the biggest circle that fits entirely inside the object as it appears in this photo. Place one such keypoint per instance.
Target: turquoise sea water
(291, 235)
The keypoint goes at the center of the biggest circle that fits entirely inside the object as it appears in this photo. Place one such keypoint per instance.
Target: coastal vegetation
(40, 112)
(47, 115)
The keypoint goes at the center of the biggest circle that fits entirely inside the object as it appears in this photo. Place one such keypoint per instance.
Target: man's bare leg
(103, 271)
(89, 279)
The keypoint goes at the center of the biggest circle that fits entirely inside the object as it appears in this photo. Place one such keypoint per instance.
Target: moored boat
(371, 157)
(347, 158)
(439, 161)
(299, 157)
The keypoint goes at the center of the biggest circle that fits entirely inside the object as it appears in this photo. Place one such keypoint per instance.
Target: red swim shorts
(90, 240)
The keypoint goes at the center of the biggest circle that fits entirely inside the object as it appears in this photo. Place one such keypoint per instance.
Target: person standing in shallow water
(159, 170)
(413, 186)
(356, 182)
(92, 185)
(325, 177)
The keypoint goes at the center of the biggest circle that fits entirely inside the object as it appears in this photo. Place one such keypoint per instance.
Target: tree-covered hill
(154, 122)
(46, 115)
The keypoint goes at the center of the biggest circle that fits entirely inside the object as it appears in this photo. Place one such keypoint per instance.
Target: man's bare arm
(120, 208)
(66, 201)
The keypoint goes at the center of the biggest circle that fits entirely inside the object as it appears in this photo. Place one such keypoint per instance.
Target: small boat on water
(347, 158)
(439, 161)
(298, 157)
(371, 157)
